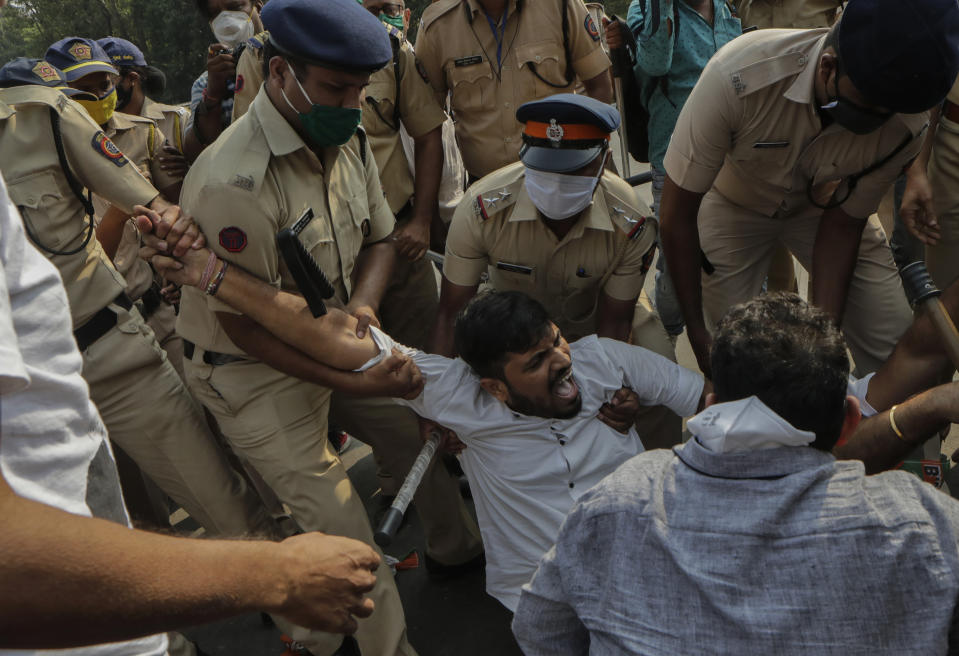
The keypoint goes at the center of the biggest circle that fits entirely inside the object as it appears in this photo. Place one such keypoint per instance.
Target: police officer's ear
(278, 70)
(133, 78)
(828, 68)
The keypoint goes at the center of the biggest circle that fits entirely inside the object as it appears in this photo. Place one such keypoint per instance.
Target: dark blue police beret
(122, 52)
(20, 71)
(564, 132)
(76, 57)
(338, 34)
(901, 54)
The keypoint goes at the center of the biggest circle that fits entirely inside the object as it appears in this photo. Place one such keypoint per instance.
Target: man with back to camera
(751, 537)
(794, 136)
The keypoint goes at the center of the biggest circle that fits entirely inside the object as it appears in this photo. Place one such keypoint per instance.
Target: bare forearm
(600, 87)
(877, 445)
(263, 345)
(679, 234)
(834, 260)
(374, 267)
(96, 581)
(428, 163)
(110, 230)
(453, 298)
(614, 317)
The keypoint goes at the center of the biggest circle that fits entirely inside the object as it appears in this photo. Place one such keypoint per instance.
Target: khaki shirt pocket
(317, 238)
(580, 299)
(469, 86)
(381, 99)
(547, 59)
(41, 204)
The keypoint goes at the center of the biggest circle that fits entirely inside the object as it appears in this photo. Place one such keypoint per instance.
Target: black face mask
(853, 117)
(124, 95)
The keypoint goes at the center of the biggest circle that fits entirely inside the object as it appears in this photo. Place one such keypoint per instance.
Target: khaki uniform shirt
(39, 188)
(458, 50)
(498, 228)
(171, 119)
(140, 140)
(419, 110)
(751, 130)
(416, 107)
(790, 14)
(259, 178)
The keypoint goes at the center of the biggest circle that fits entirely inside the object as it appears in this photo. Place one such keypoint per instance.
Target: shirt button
(538, 59)
(508, 139)
(506, 105)
(572, 485)
(562, 442)
(802, 60)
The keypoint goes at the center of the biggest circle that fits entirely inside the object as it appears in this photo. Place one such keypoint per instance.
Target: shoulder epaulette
(766, 72)
(626, 213)
(436, 10)
(257, 41)
(496, 192)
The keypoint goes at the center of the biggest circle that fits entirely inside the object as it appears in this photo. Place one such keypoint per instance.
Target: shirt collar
(151, 109)
(280, 135)
(803, 88)
(475, 7)
(119, 122)
(6, 111)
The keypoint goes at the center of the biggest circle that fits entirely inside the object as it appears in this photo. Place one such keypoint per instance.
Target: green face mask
(395, 21)
(324, 125)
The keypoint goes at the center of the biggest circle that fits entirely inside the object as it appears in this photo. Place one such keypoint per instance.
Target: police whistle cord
(921, 290)
(309, 277)
(394, 516)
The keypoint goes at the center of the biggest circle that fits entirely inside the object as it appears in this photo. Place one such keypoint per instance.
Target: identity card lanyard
(499, 34)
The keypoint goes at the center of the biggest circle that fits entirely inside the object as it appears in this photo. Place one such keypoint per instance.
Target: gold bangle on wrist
(892, 423)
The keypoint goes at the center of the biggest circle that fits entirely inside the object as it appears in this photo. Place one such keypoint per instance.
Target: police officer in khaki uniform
(787, 14)
(561, 228)
(140, 140)
(398, 94)
(793, 137)
(293, 161)
(932, 192)
(142, 400)
(492, 56)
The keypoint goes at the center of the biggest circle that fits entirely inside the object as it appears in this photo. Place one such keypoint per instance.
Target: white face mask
(231, 28)
(559, 196)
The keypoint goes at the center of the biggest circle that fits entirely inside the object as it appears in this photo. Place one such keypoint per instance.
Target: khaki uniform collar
(803, 88)
(280, 135)
(151, 109)
(119, 122)
(6, 111)
(597, 214)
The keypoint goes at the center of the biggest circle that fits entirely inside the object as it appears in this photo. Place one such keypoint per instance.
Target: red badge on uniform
(233, 239)
(108, 149)
(238, 86)
(591, 28)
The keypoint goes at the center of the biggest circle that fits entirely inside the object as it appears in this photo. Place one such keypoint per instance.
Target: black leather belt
(210, 357)
(100, 323)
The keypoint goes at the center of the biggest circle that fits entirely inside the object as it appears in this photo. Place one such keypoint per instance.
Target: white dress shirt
(527, 472)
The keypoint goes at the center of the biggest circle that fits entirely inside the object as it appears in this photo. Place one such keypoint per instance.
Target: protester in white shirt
(82, 576)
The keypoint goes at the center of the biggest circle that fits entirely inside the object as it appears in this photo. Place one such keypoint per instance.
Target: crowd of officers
(259, 151)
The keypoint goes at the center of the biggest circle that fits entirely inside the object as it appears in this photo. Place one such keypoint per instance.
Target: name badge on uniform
(514, 268)
(770, 144)
(468, 61)
(303, 221)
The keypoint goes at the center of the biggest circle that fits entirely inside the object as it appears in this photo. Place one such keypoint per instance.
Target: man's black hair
(151, 77)
(270, 51)
(495, 324)
(790, 355)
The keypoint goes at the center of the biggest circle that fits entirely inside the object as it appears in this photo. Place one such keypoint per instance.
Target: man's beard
(526, 406)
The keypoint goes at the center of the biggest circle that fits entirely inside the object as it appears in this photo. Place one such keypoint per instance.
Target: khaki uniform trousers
(150, 414)
(739, 243)
(943, 258)
(163, 323)
(279, 425)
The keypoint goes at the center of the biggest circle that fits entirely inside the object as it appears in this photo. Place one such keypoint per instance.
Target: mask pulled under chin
(559, 196)
(231, 28)
(854, 119)
(326, 126)
(101, 110)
